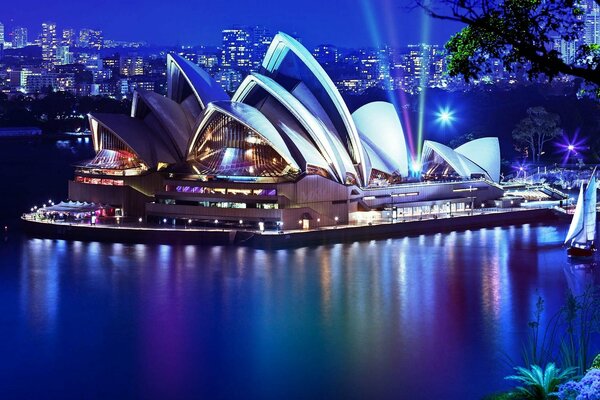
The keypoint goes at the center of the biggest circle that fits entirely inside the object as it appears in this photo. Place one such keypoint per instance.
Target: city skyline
(357, 23)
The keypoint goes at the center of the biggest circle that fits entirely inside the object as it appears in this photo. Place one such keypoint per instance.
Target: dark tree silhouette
(535, 130)
(518, 33)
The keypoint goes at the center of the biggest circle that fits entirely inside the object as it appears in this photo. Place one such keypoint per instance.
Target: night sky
(346, 23)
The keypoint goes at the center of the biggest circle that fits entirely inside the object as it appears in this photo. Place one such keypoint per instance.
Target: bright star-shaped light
(445, 116)
(571, 146)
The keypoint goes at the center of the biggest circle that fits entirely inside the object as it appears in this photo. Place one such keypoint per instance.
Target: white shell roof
(205, 88)
(170, 115)
(461, 164)
(313, 126)
(484, 152)
(281, 44)
(379, 125)
(253, 119)
(135, 134)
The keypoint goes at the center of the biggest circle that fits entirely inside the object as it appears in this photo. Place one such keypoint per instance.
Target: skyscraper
(591, 23)
(236, 51)
(19, 39)
(90, 38)
(261, 39)
(83, 40)
(1, 34)
(49, 43)
(68, 37)
(96, 39)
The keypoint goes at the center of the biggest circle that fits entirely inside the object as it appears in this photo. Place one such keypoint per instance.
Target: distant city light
(571, 147)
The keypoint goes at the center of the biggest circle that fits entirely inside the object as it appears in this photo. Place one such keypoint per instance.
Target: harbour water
(424, 317)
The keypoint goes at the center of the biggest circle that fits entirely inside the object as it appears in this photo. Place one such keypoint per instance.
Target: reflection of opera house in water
(284, 149)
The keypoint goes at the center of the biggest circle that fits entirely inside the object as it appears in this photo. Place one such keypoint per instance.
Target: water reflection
(580, 276)
(346, 320)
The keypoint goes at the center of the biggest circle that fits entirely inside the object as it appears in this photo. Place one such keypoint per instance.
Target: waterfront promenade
(133, 231)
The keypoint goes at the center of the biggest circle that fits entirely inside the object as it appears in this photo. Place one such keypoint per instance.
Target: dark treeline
(56, 112)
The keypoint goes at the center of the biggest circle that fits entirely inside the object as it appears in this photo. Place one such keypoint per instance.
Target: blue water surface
(426, 317)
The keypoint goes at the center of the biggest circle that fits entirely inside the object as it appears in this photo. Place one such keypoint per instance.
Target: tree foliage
(56, 111)
(538, 383)
(535, 130)
(518, 34)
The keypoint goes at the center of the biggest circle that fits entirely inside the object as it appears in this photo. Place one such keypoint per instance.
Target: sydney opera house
(283, 150)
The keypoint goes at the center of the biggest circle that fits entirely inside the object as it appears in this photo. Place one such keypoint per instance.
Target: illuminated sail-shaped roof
(237, 139)
(121, 132)
(379, 126)
(289, 63)
(441, 160)
(315, 143)
(163, 114)
(191, 86)
(484, 152)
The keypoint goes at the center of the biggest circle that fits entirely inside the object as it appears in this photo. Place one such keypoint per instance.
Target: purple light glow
(571, 146)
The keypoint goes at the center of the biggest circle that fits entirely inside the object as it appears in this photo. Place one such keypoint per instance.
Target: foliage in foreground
(540, 383)
(568, 336)
(588, 388)
(596, 363)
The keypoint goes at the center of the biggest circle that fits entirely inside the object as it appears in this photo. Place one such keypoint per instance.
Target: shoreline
(285, 239)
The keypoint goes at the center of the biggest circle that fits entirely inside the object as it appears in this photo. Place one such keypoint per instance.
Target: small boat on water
(582, 232)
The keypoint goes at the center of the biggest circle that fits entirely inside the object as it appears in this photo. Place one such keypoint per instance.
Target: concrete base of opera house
(342, 233)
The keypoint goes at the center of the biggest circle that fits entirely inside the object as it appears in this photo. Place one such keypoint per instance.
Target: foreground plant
(540, 384)
(569, 337)
(588, 388)
(596, 363)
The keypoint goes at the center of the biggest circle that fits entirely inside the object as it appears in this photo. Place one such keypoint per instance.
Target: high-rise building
(49, 43)
(590, 16)
(63, 55)
(261, 39)
(229, 79)
(236, 51)
(96, 39)
(591, 23)
(90, 38)
(132, 66)
(83, 40)
(112, 63)
(1, 33)
(68, 37)
(208, 62)
(19, 39)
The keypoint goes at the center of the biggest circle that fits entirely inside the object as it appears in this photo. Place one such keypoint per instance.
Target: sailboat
(582, 232)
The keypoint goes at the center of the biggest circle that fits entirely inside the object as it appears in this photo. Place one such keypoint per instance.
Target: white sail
(577, 223)
(590, 210)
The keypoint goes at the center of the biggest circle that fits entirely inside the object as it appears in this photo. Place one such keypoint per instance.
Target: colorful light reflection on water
(420, 317)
